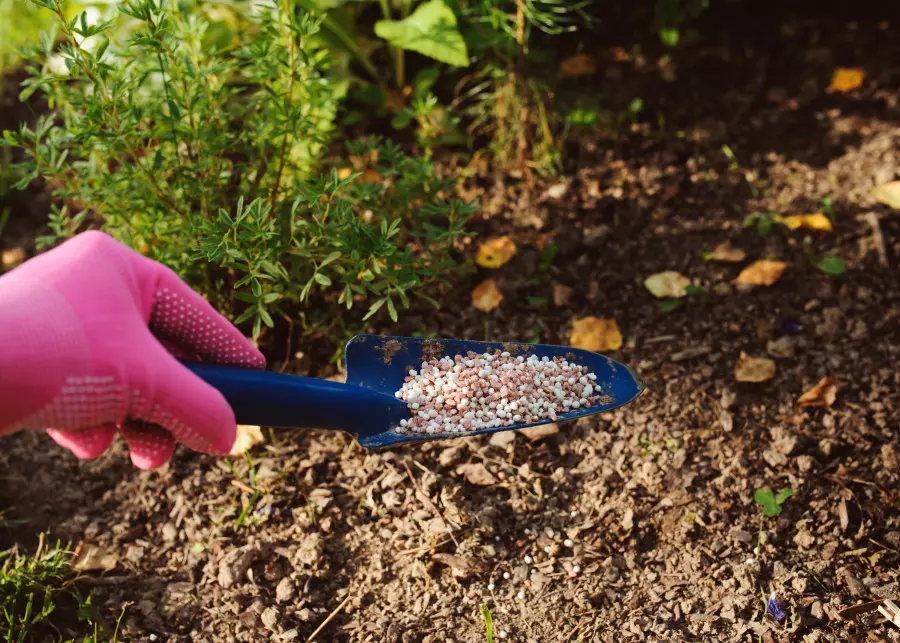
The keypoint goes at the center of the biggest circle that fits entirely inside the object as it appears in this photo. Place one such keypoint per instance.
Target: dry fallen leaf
(91, 558)
(754, 369)
(888, 193)
(764, 272)
(817, 221)
(495, 252)
(476, 473)
(846, 79)
(667, 284)
(11, 258)
(821, 395)
(597, 335)
(577, 65)
(247, 437)
(486, 296)
(539, 432)
(726, 252)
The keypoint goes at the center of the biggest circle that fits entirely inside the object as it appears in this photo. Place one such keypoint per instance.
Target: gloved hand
(87, 332)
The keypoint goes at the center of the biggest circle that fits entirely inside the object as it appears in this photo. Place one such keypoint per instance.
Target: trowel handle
(266, 398)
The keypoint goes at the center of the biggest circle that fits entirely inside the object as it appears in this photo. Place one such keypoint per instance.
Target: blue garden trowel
(376, 367)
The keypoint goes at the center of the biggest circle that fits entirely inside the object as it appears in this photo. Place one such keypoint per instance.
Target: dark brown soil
(656, 498)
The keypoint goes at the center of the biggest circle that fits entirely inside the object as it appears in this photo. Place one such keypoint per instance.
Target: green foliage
(207, 158)
(488, 619)
(833, 266)
(28, 590)
(762, 222)
(37, 590)
(20, 25)
(672, 16)
(770, 501)
(505, 101)
(429, 30)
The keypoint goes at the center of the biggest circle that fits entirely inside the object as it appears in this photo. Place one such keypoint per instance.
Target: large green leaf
(429, 30)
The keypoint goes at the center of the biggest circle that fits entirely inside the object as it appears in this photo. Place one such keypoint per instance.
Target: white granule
(462, 394)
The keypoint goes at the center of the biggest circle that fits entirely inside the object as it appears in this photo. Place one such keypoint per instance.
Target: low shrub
(210, 155)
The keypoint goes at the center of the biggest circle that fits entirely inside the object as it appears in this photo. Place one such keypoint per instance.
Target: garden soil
(635, 525)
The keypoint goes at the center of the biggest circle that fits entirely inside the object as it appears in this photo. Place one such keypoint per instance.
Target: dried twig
(337, 609)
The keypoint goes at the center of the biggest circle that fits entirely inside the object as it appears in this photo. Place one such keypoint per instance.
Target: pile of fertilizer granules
(461, 394)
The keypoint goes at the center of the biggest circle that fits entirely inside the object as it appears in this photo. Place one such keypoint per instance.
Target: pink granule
(461, 394)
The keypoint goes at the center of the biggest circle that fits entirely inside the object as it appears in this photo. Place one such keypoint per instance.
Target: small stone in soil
(493, 390)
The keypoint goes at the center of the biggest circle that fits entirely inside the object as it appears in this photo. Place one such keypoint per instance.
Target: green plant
(831, 265)
(671, 16)
(505, 101)
(38, 589)
(488, 619)
(207, 158)
(255, 493)
(770, 501)
(772, 504)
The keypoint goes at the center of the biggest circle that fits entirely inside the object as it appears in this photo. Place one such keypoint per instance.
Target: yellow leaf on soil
(486, 296)
(821, 395)
(495, 252)
(846, 79)
(11, 258)
(597, 335)
(817, 221)
(726, 252)
(764, 272)
(344, 172)
(578, 65)
(247, 437)
(889, 194)
(667, 284)
(91, 558)
(754, 369)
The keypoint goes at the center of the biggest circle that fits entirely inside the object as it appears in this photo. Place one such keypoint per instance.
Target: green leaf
(332, 257)
(391, 310)
(783, 495)
(833, 266)
(266, 317)
(669, 37)
(322, 279)
(766, 498)
(374, 308)
(669, 305)
(429, 30)
(488, 622)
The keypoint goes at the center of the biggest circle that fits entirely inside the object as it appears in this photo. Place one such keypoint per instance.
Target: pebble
(493, 390)
(490, 587)
(506, 575)
(521, 595)
(529, 560)
(503, 634)
(568, 542)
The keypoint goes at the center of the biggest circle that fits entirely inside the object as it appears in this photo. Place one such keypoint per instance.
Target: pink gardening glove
(81, 350)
